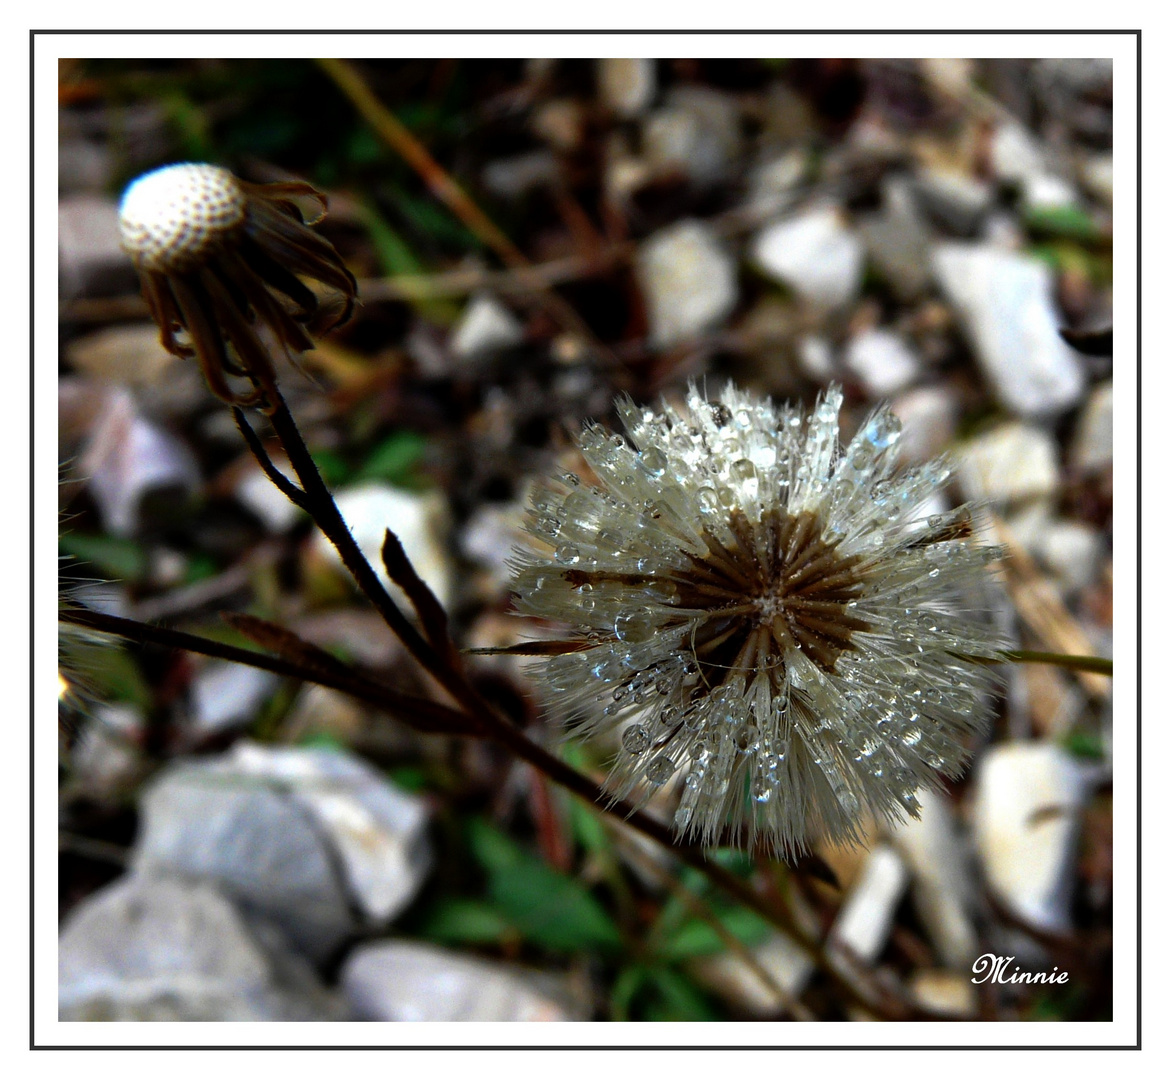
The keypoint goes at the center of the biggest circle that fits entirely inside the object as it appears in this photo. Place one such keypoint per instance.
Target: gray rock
(626, 85)
(773, 183)
(515, 177)
(129, 458)
(928, 414)
(486, 326)
(940, 881)
(1093, 439)
(107, 757)
(688, 279)
(126, 354)
(864, 921)
(1073, 551)
(1012, 462)
(314, 839)
(419, 521)
(89, 248)
(161, 948)
(882, 361)
(697, 132)
(898, 241)
(409, 981)
(815, 255)
(1026, 817)
(1004, 301)
(955, 199)
(226, 696)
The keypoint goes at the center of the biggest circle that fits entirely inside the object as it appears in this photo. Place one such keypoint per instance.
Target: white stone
(164, 948)
(408, 981)
(815, 255)
(626, 85)
(485, 326)
(378, 829)
(1093, 439)
(773, 182)
(1014, 153)
(928, 414)
(1073, 551)
(864, 921)
(1026, 817)
(1047, 191)
(1011, 462)
(1098, 176)
(419, 521)
(316, 840)
(727, 975)
(882, 361)
(271, 505)
(697, 132)
(1005, 303)
(128, 457)
(689, 281)
(226, 696)
(816, 357)
(940, 878)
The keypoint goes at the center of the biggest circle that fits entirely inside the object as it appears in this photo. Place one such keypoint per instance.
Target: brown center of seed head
(779, 585)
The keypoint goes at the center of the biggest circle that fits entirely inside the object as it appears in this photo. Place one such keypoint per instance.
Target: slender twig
(396, 135)
(417, 712)
(1099, 665)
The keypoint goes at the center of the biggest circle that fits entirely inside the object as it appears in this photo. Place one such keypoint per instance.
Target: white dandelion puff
(767, 618)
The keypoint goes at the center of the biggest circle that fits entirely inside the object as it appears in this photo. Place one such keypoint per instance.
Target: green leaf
(395, 459)
(394, 254)
(1066, 222)
(548, 908)
(626, 987)
(698, 938)
(123, 560)
(333, 468)
(683, 1000)
(458, 921)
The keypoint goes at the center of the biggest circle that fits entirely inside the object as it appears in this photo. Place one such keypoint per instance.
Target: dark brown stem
(418, 712)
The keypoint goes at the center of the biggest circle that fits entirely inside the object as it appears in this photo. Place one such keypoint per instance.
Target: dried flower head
(768, 619)
(213, 252)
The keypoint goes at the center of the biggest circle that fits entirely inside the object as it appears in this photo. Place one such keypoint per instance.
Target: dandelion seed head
(225, 263)
(765, 615)
(171, 216)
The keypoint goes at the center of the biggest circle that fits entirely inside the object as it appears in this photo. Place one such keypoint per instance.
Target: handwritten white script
(994, 969)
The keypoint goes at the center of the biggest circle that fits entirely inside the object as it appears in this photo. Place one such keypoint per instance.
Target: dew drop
(635, 626)
(635, 739)
(654, 461)
(746, 737)
(568, 554)
(708, 500)
(882, 430)
(762, 789)
(660, 770)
